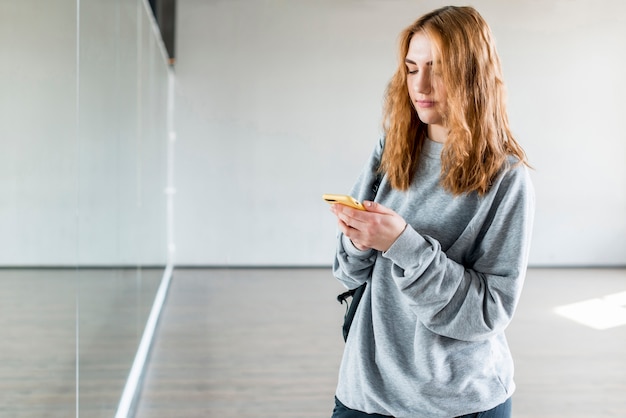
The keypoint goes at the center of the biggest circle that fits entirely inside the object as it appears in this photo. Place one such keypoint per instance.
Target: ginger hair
(479, 137)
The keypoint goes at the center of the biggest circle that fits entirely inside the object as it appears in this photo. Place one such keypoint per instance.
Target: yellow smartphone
(343, 199)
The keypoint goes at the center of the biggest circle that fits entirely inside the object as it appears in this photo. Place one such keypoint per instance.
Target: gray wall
(278, 102)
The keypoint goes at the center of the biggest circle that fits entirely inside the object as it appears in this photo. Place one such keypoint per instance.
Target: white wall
(83, 135)
(38, 161)
(278, 102)
(565, 66)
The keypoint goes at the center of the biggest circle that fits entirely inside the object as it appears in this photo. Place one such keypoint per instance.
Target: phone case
(343, 200)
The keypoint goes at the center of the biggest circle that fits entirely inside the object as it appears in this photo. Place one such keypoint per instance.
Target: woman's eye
(412, 71)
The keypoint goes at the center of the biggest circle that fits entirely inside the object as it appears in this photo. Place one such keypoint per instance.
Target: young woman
(444, 245)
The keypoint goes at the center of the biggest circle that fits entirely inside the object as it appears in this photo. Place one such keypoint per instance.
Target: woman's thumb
(373, 207)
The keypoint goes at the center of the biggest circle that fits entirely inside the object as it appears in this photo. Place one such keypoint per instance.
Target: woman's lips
(425, 103)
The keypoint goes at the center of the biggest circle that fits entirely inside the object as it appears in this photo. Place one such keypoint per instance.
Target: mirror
(84, 172)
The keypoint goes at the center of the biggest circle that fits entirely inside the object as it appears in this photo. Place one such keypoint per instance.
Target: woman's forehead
(420, 49)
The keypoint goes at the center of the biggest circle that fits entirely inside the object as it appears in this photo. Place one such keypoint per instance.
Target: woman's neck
(437, 133)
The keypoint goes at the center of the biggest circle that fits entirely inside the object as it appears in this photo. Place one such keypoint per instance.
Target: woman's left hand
(376, 227)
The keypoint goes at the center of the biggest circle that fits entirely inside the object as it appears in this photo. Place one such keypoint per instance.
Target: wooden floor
(245, 343)
(263, 343)
(267, 343)
(50, 318)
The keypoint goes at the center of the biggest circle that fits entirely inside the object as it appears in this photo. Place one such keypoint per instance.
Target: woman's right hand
(377, 227)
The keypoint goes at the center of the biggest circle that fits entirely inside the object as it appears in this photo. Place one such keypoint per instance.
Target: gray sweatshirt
(428, 337)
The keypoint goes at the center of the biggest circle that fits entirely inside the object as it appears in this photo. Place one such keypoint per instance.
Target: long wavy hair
(479, 138)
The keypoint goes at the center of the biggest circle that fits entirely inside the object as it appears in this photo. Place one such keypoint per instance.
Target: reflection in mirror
(113, 308)
(83, 218)
(37, 342)
(38, 171)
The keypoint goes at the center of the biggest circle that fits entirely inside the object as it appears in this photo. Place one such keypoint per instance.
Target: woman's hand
(376, 227)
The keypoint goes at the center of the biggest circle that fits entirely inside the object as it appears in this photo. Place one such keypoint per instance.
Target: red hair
(479, 138)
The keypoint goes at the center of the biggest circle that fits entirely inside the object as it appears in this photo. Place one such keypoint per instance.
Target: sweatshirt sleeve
(474, 297)
(351, 266)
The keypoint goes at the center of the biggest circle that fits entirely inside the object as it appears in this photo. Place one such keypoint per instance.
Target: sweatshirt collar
(431, 148)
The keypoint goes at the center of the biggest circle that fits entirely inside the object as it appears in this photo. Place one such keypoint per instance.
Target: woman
(444, 246)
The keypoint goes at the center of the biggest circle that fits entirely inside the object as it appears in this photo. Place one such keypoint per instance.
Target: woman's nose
(422, 82)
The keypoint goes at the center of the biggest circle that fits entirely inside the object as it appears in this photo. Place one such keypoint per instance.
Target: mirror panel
(83, 216)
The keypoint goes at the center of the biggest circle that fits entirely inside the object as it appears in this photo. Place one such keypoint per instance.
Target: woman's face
(426, 89)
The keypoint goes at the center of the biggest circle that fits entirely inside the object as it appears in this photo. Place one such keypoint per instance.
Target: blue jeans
(501, 411)
(342, 411)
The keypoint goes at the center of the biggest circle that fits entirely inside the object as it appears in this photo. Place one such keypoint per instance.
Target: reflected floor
(239, 343)
(43, 312)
